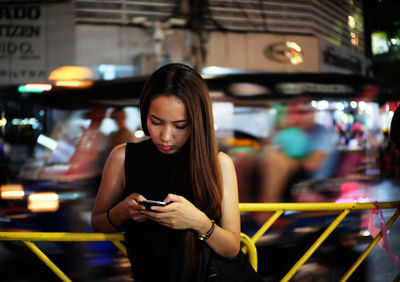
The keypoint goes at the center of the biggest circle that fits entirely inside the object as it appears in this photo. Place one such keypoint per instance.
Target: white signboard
(22, 44)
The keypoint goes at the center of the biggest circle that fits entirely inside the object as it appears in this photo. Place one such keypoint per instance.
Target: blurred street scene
(303, 97)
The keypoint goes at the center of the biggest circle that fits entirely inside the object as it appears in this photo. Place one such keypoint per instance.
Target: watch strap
(205, 236)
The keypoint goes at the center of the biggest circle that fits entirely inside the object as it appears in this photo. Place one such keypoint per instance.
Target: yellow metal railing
(250, 243)
(28, 237)
(344, 209)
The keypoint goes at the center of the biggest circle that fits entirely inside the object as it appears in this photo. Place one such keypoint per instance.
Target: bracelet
(109, 219)
(205, 236)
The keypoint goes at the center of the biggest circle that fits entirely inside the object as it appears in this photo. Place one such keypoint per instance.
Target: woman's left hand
(179, 214)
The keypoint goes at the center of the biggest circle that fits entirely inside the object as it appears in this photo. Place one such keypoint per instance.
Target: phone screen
(150, 203)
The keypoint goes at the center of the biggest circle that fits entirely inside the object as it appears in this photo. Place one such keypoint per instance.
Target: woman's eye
(155, 123)
(181, 127)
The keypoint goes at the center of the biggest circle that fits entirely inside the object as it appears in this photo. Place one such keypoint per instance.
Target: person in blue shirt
(303, 150)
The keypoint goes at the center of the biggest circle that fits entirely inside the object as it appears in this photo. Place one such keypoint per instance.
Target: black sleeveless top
(155, 251)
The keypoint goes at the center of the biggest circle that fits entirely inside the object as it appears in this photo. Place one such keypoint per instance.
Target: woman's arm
(182, 214)
(111, 189)
(225, 239)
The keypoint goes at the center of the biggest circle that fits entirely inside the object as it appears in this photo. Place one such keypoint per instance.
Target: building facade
(130, 37)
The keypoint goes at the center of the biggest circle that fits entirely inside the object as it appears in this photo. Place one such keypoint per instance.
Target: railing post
(369, 248)
(316, 245)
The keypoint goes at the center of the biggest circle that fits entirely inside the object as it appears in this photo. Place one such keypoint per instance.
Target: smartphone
(149, 203)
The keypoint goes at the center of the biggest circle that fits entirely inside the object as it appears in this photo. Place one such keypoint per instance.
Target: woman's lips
(166, 148)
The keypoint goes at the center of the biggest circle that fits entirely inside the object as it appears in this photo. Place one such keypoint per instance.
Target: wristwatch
(205, 236)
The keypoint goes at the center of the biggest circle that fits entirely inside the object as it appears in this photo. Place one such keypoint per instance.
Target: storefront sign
(22, 44)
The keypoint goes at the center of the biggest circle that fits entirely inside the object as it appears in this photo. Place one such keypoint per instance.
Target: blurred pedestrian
(395, 128)
(5, 170)
(358, 139)
(387, 156)
(301, 151)
(91, 148)
(123, 134)
(395, 137)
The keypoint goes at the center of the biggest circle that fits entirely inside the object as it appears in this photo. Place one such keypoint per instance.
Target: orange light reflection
(12, 192)
(43, 202)
(74, 83)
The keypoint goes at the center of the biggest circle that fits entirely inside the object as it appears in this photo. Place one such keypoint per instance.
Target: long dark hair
(202, 164)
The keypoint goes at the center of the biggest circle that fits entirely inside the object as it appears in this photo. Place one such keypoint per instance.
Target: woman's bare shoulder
(225, 160)
(118, 152)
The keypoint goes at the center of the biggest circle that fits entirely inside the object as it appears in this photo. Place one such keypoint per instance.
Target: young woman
(181, 166)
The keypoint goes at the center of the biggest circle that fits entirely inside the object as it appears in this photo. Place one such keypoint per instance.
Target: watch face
(202, 237)
(205, 236)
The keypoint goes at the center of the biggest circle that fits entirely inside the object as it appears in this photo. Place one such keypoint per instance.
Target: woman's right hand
(131, 207)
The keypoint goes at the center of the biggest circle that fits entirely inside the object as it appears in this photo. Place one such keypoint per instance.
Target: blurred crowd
(76, 148)
(299, 148)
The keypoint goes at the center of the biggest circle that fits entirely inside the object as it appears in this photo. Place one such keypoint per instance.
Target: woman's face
(168, 123)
